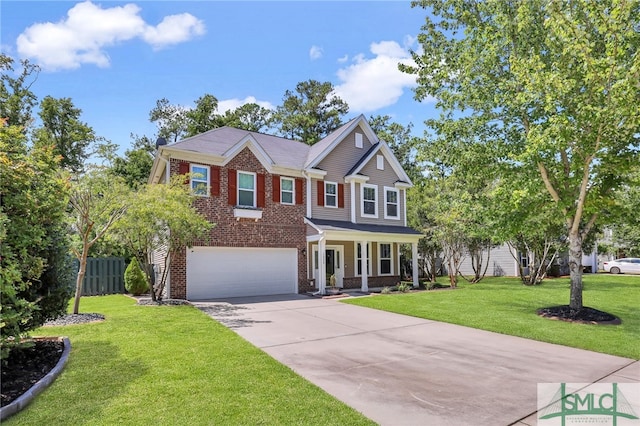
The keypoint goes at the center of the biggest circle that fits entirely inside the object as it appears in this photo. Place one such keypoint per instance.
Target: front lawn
(505, 306)
(170, 365)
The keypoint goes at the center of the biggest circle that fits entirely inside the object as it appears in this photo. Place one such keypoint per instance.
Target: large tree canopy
(311, 112)
(552, 87)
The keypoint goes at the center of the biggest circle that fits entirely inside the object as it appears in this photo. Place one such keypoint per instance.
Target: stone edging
(26, 398)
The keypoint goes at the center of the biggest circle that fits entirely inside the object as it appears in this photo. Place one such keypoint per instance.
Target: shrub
(134, 279)
(403, 287)
(386, 290)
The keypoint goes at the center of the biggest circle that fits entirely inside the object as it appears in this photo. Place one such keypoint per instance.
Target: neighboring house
(504, 262)
(290, 218)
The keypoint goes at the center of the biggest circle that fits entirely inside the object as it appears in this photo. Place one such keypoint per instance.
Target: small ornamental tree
(97, 201)
(159, 222)
(134, 279)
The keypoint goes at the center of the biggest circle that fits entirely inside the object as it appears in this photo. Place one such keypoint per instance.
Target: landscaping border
(25, 399)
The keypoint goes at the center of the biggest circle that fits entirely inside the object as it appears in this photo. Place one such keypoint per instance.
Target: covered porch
(358, 256)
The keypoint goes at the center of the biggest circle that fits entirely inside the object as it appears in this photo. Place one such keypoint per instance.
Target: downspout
(304, 173)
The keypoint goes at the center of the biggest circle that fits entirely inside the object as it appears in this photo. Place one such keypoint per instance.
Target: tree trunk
(80, 278)
(575, 268)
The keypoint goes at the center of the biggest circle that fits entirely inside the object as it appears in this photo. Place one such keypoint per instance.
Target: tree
(203, 117)
(159, 222)
(400, 140)
(32, 212)
(16, 98)
(62, 129)
(97, 201)
(251, 117)
(170, 119)
(136, 164)
(626, 229)
(311, 112)
(554, 85)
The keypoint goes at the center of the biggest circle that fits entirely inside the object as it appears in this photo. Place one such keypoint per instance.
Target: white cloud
(315, 52)
(343, 59)
(231, 104)
(88, 29)
(369, 84)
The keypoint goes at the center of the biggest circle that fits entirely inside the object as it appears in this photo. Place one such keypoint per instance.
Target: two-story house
(290, 218)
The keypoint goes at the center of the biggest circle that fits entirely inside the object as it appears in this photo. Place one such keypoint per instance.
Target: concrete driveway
(400, 370)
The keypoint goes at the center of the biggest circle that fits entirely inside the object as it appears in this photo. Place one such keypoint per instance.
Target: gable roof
(323, 147)
(391, 159)
(226, 142)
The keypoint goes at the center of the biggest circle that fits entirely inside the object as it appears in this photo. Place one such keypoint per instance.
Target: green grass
(505, 306)
(171, 365)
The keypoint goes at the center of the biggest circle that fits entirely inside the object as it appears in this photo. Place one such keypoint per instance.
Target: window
(358, 140)
(246, 189)
(286, 191)
(199, 179)
(380, 162)
(359, 259)
(386, 263)
(391, 210)
(369, 200)
(330, 194)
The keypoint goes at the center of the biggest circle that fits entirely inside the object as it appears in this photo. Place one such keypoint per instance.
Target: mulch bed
(585, 315)
(26, 366)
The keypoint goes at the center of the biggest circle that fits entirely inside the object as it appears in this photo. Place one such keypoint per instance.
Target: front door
(334, 262)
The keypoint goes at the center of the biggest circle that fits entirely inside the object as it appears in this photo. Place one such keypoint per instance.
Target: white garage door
(217, 272)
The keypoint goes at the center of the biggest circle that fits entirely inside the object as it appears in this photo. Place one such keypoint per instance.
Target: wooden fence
(104, 275)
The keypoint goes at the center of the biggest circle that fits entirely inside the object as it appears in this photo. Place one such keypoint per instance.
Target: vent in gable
(359, 143)
(380, 160)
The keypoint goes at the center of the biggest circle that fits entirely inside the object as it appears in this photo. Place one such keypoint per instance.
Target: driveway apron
(401, 370)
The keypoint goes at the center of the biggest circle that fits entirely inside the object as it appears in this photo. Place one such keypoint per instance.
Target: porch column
(414, 265)
(322, 266)
(363, 266)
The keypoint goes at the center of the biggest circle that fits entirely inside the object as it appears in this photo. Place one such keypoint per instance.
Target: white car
(628, 265)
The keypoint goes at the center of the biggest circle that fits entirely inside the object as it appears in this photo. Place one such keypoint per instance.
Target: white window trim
(380, 258)
(206, 181)
(355, 261)
(386, 202)
(293, 190)
(362, 213)
(255, 188)
(380, 162)
(359, 140)
(325, 194)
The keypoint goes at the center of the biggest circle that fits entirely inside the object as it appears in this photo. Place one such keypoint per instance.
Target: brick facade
(281, 226)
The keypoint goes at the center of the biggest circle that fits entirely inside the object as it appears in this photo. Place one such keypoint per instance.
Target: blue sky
(115, 59)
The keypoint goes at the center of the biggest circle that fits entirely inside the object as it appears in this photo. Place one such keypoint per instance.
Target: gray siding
(501, 263)
(337, 164)
(380, 178)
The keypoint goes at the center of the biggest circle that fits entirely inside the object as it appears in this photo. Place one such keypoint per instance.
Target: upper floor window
(287, 191)
(369, 200)
(331, 194)
(391, 210)
(246, 189)
(386, 259)
(199, 179)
